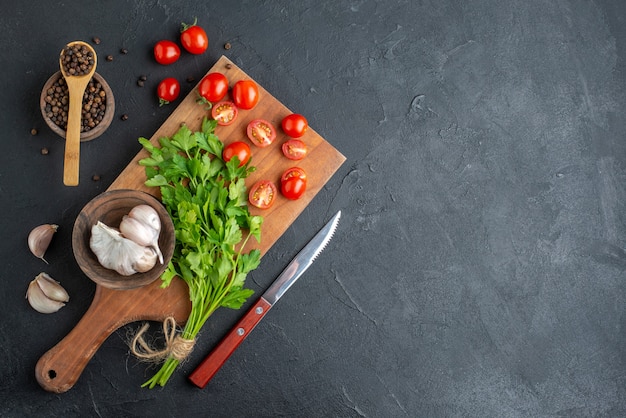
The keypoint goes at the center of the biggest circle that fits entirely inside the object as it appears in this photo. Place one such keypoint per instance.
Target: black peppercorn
(77, 60)
(93, 110)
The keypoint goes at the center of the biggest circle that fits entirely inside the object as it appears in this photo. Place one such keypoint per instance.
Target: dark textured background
(479, 269)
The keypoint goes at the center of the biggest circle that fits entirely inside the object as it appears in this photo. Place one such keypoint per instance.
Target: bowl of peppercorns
(98, 106)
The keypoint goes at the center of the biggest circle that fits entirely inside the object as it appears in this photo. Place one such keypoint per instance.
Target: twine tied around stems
(176, 346)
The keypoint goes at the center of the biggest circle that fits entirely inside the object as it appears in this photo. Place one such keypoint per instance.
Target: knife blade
(301, 262)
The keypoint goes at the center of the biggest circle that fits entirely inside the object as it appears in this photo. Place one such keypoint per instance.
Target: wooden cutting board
(59, 368)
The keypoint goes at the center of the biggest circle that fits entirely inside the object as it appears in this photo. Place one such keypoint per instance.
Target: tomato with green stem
(224, 113)
(262, 194)
(213, 87)
(166, 52)
(294, 125)
(168, 90)
(193, 38)
(245, 94)
(238, 149)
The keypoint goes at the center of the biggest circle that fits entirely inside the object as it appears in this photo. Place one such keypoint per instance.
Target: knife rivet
(259, 310)
(241, 331)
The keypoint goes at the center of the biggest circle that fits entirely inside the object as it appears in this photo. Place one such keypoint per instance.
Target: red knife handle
(214, 361)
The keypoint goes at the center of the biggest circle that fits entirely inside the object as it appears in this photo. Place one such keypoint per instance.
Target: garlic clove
(148, 215)
(51, 288)
(39, 239)
(141, 233)
(45, 294)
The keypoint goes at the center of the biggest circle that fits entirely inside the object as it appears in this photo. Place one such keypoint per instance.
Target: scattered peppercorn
(96, 40)
(34, 131)
(228, 66)
(44, 151)
(227, 45)
(124, 116)
(124, 51)
(109, 58)
(77, 60)
(140, 83)
(143, 77)
(94, 104)
(95, 177)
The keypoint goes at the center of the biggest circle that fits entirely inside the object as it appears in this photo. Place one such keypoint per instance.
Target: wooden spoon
(76, 85)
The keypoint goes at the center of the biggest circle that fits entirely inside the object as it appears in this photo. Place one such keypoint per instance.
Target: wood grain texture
(61, 366)
(59, 369)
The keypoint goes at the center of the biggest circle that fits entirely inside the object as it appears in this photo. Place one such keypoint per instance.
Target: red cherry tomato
(262, 194)
(166, 52)
(293, 183)
(245, 94)
(294, 149)
(261, 133)
(238, 149)
(293, 188)
(168, 90)
(224, 113)
(213, 87)
(193, 38)
(295, 125)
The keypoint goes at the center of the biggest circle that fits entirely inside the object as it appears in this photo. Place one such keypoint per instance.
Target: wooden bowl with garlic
(123, 239)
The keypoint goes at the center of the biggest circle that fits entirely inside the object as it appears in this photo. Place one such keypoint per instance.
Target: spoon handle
(72, 137)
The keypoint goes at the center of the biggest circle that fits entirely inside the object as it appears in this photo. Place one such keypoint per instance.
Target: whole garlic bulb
(148, 215)
(118, 253)
(142, 233)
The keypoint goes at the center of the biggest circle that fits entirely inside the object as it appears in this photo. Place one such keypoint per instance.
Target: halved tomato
(262, 194)
(261, 133)
(293, 172)
(294, 149)
(224, 113)
(238, 149)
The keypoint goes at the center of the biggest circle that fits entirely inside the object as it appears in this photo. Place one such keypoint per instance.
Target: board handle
(61, 366)
(214, 361)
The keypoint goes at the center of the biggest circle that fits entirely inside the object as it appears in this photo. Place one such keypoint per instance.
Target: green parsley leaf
(207, 201)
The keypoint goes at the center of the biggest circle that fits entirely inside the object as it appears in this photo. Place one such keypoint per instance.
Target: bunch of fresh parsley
(206, 198)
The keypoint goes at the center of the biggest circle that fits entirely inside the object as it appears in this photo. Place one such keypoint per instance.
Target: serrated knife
(214, 361)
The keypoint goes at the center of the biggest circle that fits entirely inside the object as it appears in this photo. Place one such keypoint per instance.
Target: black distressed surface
(479, 269)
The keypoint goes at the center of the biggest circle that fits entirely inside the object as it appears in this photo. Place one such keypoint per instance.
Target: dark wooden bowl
(109, 208)
(92, 133)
